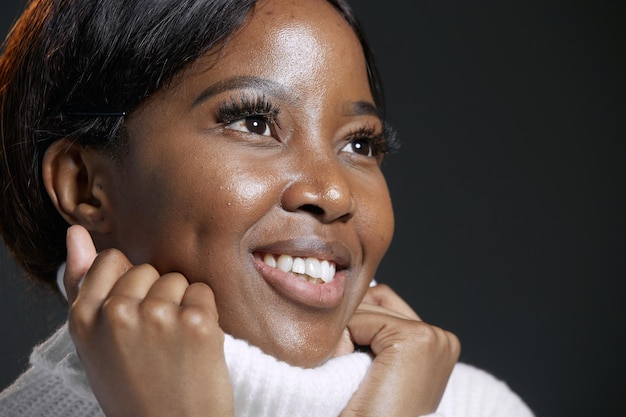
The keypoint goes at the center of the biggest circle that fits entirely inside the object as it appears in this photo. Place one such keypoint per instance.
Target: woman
(219, 165)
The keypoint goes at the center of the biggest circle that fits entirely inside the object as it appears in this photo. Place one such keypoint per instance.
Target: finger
(199, 312)
(136, 282)
(380, 331)
(169, 287)
(199, 294)
(382, 295)
(105, 271)
(376, 309)
(81, 253)
(412, 359)
(345, 344)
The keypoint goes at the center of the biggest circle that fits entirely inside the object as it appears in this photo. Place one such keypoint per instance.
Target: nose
(323, 191)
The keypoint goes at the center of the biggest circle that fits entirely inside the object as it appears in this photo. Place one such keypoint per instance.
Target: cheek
(240, 197)
(252, 192)
(376, 223)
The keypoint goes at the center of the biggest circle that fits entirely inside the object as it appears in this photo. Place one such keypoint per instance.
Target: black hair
(74, 69)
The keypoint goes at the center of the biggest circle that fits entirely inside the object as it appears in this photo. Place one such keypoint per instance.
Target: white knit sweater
(55, 385)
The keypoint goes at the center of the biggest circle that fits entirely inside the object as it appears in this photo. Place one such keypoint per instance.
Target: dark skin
(171, 240)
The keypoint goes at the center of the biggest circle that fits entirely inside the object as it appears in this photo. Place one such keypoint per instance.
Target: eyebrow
(358, 108)
(239, 82)
(363, 108)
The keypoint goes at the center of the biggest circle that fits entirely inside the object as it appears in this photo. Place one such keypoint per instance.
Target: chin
(303, 356)
(297, 346)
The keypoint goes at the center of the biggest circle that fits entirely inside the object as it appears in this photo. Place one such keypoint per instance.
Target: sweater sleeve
(472, 392)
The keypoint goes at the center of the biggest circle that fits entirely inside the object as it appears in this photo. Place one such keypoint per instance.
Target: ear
(75, 178)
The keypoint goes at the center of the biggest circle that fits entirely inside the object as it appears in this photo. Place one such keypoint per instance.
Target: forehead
(273, 15)
(304, 49)
(293, 42)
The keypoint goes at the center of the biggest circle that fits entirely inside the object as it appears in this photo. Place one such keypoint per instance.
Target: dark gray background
(508, 192)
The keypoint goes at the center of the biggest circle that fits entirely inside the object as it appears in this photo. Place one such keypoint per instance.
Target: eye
(366, 141)
(250, 114)
(252, 124)
(360, 146)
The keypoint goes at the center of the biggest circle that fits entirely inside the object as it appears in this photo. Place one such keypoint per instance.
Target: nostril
(313, 209)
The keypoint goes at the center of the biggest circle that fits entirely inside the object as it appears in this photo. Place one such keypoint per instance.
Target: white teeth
(313, 268)
(285, 262)
(327, 271)
(269, 259)
(310, 269)
(298, 266)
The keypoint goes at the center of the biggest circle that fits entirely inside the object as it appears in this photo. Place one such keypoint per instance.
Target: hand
(413, 360)
(150, 344)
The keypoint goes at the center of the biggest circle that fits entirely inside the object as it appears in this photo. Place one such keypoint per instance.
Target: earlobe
(73, 177)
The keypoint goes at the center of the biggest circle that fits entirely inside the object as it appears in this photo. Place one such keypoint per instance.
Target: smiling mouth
(310, 269)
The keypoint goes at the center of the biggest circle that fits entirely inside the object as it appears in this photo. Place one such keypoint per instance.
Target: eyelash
(259, 106)
(245, 106)
(381, 143)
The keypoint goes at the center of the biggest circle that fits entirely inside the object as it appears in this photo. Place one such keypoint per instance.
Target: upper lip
(330, 250)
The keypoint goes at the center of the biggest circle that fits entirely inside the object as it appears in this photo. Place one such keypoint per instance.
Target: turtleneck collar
(263, 385)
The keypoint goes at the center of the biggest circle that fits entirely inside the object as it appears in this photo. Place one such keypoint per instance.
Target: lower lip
(328, 295)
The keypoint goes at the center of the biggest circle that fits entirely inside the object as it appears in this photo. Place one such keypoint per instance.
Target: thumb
(81, 252)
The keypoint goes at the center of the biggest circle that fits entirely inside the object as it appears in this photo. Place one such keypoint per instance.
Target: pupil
(360, 147)
(256, 125)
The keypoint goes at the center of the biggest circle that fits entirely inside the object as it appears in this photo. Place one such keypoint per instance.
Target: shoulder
(473, 392)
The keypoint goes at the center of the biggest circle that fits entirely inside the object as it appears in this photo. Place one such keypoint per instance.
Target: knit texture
(55, 385)
(266, 387)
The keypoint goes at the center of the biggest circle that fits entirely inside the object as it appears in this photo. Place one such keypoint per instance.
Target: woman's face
(255, 161)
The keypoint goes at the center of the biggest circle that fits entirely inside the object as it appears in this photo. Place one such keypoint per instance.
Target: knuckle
(424, 333)
(144, 270)
(109, 252)
(422, 337)
(157, 312)
(176, 277)
(412, 337)
(118, 310)
(429, 338)
(197, 321)
(111, 255)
